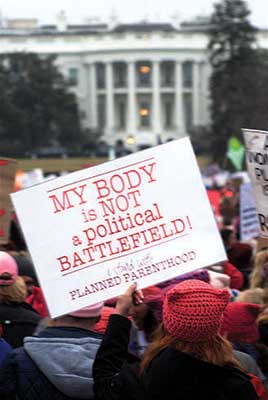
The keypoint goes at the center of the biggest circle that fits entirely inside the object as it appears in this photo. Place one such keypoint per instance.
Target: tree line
(38, 109)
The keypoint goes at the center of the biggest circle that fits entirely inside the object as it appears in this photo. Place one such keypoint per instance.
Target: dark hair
(150, 324)
(225, 234)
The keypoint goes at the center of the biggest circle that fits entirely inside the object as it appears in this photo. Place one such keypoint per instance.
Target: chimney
(61, 21)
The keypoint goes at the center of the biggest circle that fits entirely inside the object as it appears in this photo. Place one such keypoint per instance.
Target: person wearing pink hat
(17, 318)
(240, 326)
(56, 364)
(187, 359)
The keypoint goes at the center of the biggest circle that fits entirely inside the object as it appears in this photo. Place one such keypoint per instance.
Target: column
(156, 112)
(131, 120)
(84, 91)
(196, 90)
(92, 96)
(207, 70)
(110, 127)
(179, 111)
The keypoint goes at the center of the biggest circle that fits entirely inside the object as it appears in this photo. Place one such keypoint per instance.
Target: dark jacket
(18, 321)
(171, 375)
(56, 365)
(4, 349)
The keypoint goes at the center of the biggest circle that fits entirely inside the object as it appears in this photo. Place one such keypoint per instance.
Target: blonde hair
(17, 292)
(217, 350)
(258, 278)
(255, 296)
(263, 317)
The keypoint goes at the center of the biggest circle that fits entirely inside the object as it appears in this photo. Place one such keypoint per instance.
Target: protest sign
(7, 179)
(257, 163)
(143, 218)
(249, 224)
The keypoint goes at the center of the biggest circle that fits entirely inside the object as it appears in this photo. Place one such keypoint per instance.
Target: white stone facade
(139, 86)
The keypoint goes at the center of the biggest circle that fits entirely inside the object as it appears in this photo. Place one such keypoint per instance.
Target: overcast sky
(126, 10)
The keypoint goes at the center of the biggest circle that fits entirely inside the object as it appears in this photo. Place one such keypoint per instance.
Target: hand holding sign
(126, 300)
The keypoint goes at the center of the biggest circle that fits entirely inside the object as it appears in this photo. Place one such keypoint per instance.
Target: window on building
(73, 76)
(121, 113)
(188, 111)
(167, 74)
(101, 111)
(168, 111)
(145, 114)
(100, 72)
(120, 74)
(187, 74)
(144, 74)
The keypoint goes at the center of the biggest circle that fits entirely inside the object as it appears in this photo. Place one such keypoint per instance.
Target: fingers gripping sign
(126, 300)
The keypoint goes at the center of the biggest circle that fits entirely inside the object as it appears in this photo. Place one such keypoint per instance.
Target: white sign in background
(143, 218)
(249, 223)
(256, 143)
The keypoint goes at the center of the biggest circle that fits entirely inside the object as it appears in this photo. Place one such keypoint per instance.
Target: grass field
(53, 165)
(50, 165)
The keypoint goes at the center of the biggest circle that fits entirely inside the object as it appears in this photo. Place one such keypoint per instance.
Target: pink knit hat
(192, 310)
(88, 312)
(101, 326)
(239, 322)
(8, 269)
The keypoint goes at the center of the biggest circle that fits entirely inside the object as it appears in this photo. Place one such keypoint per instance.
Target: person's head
(228, 237)
(254, 296)
(200, 274)
(84, 318)
(148, 315)
(12, 287)
(239, 323)
(228, 207)
(101, 325)
(26, 270)
(260, 270)
(138, 313)
(240, 255)
(192, 312)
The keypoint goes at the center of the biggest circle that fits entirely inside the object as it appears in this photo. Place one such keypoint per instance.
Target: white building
(140, 83)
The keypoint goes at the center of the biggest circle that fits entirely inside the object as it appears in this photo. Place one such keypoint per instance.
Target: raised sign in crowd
(136, 279)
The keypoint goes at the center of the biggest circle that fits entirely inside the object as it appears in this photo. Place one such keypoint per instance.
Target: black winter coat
(172, 375)
(18, 321)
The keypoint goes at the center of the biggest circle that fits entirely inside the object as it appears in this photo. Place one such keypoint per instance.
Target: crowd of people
(202, 335)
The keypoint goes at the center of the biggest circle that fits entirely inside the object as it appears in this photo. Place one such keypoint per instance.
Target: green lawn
(50, 165)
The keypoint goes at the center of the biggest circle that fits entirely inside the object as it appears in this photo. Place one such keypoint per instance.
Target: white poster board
(249, 223)
(143, 218)
(257, 162)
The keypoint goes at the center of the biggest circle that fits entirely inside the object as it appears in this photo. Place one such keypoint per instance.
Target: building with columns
(141, 84)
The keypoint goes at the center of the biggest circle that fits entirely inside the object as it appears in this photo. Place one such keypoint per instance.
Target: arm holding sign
(111, 382)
